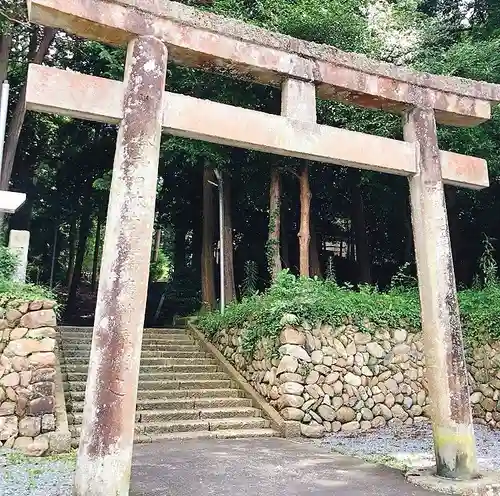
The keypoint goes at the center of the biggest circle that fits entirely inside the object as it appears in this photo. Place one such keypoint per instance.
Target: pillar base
(487, 484)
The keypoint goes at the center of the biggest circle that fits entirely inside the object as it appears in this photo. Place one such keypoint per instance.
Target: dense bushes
(313, 301)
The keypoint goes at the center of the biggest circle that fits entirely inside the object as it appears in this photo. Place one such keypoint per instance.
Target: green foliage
(330, 270)
(8, 263)
(403, 279)
(161, 270)
(16, 292)
(488, 264)
(249, 286)
(315, 301)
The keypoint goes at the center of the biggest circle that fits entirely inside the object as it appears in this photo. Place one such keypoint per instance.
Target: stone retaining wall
(349, 379)
(28, 371)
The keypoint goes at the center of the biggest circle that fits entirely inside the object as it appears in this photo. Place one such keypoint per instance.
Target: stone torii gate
(305, 71)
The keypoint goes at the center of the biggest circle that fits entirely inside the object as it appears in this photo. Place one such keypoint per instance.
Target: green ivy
(316, 301)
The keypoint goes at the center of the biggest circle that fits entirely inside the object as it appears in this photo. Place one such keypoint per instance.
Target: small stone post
(19, 243)
(105, 454)
(452, 426)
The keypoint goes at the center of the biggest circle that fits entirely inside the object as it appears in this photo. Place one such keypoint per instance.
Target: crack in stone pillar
(105, 453)
(453, 431)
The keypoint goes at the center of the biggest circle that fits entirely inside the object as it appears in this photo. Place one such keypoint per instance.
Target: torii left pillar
(106, 441)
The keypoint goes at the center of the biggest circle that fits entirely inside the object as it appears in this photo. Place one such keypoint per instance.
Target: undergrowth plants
(316, 301)
(11, 292)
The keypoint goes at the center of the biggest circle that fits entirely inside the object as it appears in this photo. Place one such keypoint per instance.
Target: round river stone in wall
(352, 379)
(326, 412)
(290, 335)
(375, 350)
(291, 413)
(345, 414)
(288, 364)
(295, 351)
(292, 388)
(313, 430)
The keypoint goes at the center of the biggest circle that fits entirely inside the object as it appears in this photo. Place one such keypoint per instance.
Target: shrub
(160, 271)
(315, 301)
(8, 263)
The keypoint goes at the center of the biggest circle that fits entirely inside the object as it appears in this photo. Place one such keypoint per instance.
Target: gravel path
(409, 446)
(23, 476)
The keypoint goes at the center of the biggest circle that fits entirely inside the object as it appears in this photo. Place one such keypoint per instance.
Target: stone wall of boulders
(333, 379)
(27, 376)
(484, 377)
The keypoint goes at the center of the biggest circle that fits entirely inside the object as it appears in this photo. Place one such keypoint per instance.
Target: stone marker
(19, 242)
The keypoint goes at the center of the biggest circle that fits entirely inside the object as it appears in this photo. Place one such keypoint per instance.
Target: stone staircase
(183, 393)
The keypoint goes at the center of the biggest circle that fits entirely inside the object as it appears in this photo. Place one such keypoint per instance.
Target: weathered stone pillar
(453, 431)
(19, 243)
(105, 455)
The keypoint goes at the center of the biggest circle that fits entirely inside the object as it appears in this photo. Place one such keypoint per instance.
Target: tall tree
(229, 282)
(273, 243)
(37, 52)
(207, 253)
(305, 214)
(359, 228)
(5, 45)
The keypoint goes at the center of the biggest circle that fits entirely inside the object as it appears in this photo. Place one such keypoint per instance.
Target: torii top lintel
(200, 39)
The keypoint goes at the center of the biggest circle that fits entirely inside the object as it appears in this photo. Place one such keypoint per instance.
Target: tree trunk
(230, 286)
(273, 244)
(305, 213)
(460, 262)
(180, 246)
(156, 253)
(54, 256)
(285, 251)
(207, 252)
(85, 226)
(35, 56)
(95, 262)
(72, 241)
(5, 44)
(314, 254)
(359, 228)
(408, 255)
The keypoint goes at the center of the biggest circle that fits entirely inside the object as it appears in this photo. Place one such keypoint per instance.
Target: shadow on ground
(258, 467)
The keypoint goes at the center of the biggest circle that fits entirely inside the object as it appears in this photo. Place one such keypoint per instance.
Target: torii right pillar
(446, 370)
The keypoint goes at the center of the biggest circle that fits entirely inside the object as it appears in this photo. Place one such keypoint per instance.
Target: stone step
(88, 331)
(188, 369)
(155, 416)
(193, 425)
(172, 393)
(81, 354)
(180, 436)
(157, 361)
(65, 346)
(156, 376)
(178, 404)
(151, 341)
(202, 425)
(162, 385)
